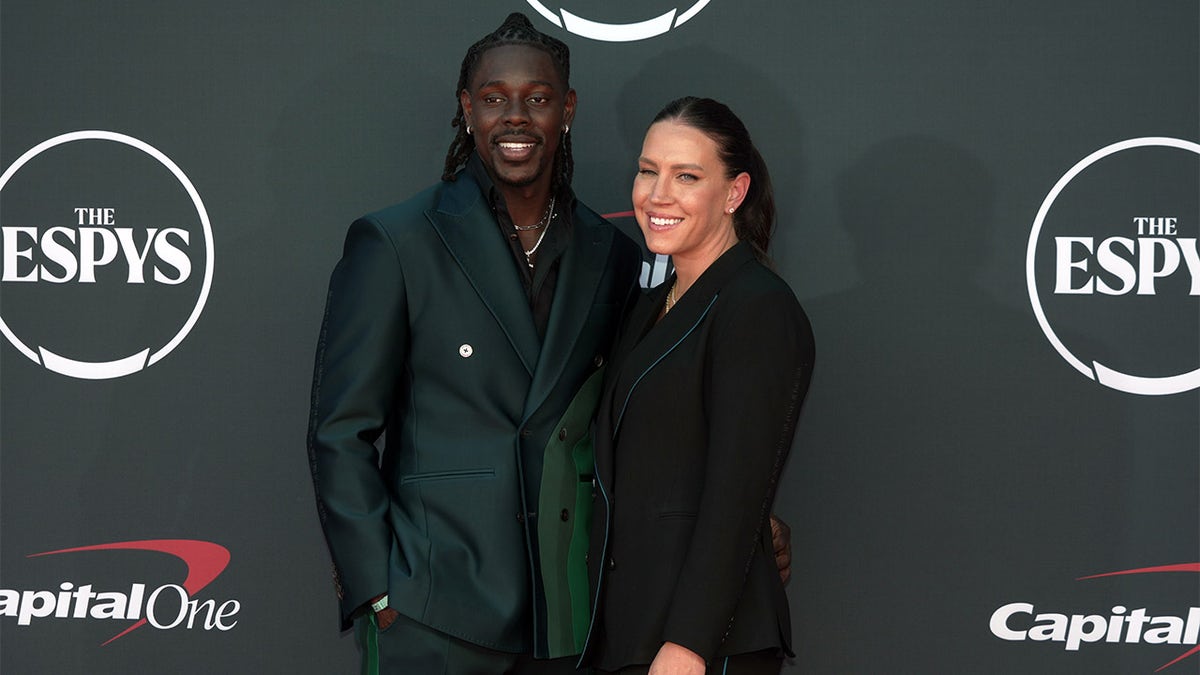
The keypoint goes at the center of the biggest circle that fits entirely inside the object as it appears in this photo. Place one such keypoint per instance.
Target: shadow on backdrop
(936, 467)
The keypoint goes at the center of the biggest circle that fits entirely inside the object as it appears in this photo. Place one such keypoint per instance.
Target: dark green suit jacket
(428, 336)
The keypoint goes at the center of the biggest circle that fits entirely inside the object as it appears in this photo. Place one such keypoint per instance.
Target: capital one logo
(1113, 269)
(106, 255)
(650, 21)
(1122, 624)
(166, 607)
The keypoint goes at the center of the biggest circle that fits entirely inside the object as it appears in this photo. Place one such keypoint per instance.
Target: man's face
(517, 106)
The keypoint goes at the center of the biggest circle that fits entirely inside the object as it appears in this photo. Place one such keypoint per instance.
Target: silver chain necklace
(545, 222)
(545, 219)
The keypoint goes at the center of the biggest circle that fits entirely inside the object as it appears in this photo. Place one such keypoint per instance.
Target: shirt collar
(565, 198)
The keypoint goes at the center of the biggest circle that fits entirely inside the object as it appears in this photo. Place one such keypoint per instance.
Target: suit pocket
(677, 515)
(459, 474)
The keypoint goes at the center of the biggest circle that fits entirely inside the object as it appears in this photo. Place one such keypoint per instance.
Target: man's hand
(781, 542)
(673, 659)
(385, 616)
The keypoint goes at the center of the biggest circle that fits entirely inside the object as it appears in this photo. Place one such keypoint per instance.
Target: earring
(468, 129)
(566, 128)
(731, 209)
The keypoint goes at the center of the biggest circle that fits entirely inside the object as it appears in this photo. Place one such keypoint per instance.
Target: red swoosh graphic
(205, 561)
(1182, 567)
(618, 214)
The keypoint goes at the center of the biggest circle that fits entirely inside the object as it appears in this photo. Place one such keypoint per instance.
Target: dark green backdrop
(948, 463)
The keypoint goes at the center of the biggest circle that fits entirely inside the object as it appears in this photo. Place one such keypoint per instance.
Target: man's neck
(527, 203)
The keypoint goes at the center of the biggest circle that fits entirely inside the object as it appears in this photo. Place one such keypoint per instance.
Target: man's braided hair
(516, 30)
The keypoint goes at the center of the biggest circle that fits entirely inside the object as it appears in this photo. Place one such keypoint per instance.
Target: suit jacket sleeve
(759, 364)
(359, 355)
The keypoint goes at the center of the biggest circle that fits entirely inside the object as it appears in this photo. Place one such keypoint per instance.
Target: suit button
(466, 351)
(526, 433)
(565, 515)
(520, 517)
(612, 564)
(562, 434)
(599, 360)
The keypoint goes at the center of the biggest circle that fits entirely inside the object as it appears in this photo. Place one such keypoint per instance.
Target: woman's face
(681, 196)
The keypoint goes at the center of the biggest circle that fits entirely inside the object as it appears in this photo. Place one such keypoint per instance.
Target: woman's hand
(673, 659)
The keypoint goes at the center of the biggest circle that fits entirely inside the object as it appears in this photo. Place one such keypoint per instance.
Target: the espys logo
(1021, 621)
(1113, 269)
(106, 255)
(165, 607)
(620, 30)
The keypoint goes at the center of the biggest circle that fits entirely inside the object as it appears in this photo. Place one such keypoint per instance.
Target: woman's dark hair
(516, 30)
(755, 218)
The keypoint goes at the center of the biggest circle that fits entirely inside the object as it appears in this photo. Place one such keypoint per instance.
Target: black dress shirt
(540, 280)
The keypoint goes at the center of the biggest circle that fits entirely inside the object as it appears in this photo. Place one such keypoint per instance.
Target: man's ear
(568, 108)
(464, 99)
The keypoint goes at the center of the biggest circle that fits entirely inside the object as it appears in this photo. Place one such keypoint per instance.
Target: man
(470, 324)
(463, 322)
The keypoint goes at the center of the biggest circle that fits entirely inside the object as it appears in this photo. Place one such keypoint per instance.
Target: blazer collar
(582, 266)
(648, 339)
(713, 279)
(465, 224)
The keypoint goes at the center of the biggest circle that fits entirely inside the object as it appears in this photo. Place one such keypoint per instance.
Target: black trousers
(407, 647)
(754, 663)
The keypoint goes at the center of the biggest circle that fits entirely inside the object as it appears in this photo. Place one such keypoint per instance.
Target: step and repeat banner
(989, 211)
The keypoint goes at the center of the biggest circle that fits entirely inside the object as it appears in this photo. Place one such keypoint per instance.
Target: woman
(697, 417)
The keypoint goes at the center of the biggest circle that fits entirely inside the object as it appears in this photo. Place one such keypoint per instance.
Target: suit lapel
(579, 275)
(465, 224)
(640, 320)
(657, 340)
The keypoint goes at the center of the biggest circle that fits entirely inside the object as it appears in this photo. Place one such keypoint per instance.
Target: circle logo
(101, 238)
(621, 30)
(1113, 270)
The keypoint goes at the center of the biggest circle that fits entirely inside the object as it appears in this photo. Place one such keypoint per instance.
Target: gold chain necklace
(670, 298)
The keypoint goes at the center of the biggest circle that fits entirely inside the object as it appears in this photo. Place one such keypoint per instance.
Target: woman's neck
(689, 268)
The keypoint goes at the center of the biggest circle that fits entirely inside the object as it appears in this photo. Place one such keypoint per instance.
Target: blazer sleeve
(759, 365)
(360, 352)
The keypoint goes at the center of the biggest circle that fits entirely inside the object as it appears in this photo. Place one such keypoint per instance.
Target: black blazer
(696, 419)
